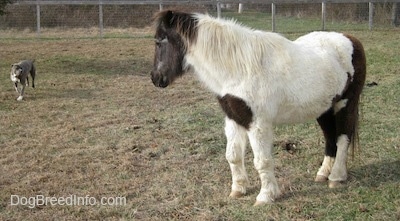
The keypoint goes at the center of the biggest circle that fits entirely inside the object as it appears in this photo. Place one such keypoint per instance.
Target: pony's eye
(160, 41)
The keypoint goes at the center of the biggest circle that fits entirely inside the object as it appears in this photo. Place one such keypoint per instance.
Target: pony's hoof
(20, 98)
(236, 194)
(260, 203)
(335, 184)
(320, 178)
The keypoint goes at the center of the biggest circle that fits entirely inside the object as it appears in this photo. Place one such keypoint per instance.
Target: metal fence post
(101, 25)
(273, 16)
(161, 5)
(240, 9)
(38, 20)
(218, 9)
(323, 15)
(371, 15)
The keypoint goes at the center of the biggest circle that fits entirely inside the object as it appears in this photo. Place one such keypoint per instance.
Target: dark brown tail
(356, 87)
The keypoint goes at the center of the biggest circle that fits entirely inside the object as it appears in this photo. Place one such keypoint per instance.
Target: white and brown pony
(262, 79)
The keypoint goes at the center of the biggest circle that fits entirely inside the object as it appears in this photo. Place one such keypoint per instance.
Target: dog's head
(16, 70)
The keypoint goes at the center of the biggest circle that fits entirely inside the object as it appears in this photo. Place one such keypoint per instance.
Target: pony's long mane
(236, 48)
(185, 24)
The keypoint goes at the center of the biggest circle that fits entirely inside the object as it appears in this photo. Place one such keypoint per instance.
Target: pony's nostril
(154, 78)
(164, 79)
(158, 79)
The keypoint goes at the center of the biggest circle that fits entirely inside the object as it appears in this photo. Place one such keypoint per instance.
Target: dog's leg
(33, 74)
(21, 95)
(16, 87)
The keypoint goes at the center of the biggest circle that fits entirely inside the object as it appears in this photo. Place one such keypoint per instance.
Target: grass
(95, 125)
(301, 24)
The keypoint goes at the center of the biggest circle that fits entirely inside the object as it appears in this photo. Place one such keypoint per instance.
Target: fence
(116, 17)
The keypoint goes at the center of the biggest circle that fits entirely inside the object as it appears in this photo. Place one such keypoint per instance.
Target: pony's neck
(226, 51)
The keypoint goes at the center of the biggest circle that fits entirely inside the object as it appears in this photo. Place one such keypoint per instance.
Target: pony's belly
(292, 114)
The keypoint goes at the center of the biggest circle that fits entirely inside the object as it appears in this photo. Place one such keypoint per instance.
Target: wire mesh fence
(25, 19)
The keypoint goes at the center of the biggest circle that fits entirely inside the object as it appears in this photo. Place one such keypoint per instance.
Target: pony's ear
(167, 19)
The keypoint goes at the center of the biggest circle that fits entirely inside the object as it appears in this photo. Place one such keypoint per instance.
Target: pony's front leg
(261, 141)
(235, 150)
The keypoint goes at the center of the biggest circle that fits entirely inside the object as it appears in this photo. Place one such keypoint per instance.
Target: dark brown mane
(184, 23)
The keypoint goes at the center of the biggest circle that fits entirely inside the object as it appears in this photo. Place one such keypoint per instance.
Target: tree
(3, 4)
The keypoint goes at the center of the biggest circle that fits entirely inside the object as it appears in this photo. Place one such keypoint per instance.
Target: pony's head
(174, 32)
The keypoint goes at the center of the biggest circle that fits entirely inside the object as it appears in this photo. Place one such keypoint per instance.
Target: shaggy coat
(262, 79)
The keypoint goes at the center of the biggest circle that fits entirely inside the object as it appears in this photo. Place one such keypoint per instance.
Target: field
(95, 126)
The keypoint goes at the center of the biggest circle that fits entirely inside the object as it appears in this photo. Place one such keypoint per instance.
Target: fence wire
(132, 20)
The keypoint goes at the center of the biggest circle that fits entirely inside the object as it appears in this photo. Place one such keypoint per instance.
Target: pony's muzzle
(158, 79)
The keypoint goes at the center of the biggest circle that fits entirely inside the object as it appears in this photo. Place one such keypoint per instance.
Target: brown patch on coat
(237, 110)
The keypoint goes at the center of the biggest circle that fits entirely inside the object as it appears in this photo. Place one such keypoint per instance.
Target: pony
(262, 79)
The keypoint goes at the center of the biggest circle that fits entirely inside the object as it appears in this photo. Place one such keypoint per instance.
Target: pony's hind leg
(338, 125)
(328, 126)
(346, 114)
(235, 150)
(261, 138)
(346, 130)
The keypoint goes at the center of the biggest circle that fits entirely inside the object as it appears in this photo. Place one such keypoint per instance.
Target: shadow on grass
(370, 176)
(378, 173)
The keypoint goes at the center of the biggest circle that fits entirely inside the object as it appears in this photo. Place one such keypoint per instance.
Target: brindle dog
(19, 74)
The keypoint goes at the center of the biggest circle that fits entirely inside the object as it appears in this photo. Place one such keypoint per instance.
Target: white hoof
(20, 98)
(236, 194)
(260, 203)
(336, 184)
(320, 179)
(267, 197)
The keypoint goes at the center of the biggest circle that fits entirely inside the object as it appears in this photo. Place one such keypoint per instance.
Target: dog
(19, 74)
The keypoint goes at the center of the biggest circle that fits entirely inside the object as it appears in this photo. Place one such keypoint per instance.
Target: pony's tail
(355, 138)
(360, 71)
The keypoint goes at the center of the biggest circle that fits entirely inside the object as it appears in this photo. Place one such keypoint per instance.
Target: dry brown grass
(91, 32)
(95, 125)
